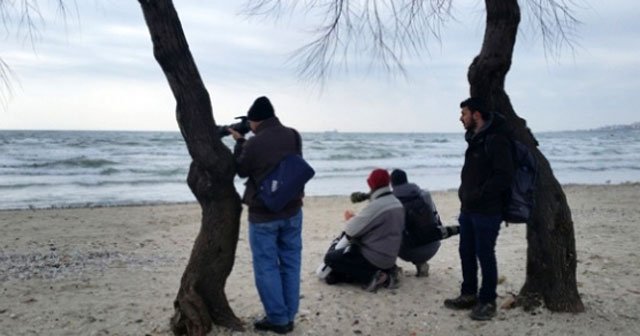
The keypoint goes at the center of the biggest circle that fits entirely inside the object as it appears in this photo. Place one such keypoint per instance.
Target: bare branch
(6, 90)
(389, 30)
(23, 15)
(392, 30)
(556, 22)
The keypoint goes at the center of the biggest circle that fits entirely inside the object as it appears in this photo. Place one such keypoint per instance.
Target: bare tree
(551, 251)
(201, 299)
(390, 29)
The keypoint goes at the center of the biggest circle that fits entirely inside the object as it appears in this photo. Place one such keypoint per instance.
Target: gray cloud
(241, 57)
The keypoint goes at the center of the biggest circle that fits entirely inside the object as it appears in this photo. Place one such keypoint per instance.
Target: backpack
(519, 199)
(284, 182)
(420, 220)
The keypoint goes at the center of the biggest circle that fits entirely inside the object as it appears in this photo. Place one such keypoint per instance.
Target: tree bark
(201, 299)
(551, 252)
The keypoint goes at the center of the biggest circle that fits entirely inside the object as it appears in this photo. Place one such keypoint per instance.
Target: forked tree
(201, 299)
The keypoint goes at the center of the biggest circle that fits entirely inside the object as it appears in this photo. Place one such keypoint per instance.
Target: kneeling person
(374, 234)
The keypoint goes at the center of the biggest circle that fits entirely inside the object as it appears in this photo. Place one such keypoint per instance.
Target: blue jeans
(277, 248)
(478, 235)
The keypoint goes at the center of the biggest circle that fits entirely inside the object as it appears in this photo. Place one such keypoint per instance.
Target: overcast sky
(97, 72)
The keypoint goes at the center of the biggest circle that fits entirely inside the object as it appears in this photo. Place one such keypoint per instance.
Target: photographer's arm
(240, 153)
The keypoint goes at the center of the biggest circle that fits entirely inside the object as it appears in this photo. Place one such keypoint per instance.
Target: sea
(59, 169)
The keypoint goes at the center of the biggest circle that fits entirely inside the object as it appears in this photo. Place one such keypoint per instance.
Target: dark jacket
(421, 220)
(488, 169)
(257, 156)
(412, 190)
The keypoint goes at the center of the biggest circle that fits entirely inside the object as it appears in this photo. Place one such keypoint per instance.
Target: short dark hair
(398, 177)
(476, 104)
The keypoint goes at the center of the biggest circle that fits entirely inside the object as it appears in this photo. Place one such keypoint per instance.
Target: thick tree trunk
(551, 252)
(201, 299)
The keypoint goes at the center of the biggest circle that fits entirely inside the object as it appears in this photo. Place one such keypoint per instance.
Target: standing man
(275, 237)
(486, 177)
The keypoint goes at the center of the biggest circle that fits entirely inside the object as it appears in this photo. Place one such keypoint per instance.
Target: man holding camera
(275, 237)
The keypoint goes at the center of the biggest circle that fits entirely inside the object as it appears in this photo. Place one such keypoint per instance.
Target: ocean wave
(440, 140)
(110, 171)
(127, 183)
(607, 168)
(363, 155)
(91, 184)
(80, 161)
(25, 185)
(43, 168)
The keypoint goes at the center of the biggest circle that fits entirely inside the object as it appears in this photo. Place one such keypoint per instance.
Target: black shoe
(378, 280)
(332, 278)
(483, 311)
(461, 302)
(265, 325)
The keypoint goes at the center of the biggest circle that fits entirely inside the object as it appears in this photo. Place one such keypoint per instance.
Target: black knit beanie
(398, 177)
(261, 109)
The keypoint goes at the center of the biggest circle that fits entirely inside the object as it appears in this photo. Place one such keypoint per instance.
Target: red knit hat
(378, 178)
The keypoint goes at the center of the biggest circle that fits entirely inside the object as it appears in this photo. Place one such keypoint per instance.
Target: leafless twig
(387, 29)
(556, 22)
(23, 16)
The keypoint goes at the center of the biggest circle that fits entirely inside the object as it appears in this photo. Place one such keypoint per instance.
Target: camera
(241, 127)
(357, 197)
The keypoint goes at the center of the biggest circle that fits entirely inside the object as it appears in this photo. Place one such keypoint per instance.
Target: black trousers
(348, 265)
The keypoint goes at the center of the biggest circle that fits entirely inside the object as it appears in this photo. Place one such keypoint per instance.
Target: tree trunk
(201, 299)
(551, 251)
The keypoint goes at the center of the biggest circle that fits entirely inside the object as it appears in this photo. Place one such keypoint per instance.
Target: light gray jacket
(378, 228)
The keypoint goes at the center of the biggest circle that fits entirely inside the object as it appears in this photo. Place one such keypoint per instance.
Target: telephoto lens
(357, 197)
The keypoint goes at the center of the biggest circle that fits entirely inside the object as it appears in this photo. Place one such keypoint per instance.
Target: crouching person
(374, 235)
(423, 228)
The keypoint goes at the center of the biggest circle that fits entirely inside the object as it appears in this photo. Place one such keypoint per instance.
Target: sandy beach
(116, 271)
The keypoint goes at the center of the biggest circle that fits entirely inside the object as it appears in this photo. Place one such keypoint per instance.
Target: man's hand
(235, 134)
(348, 214)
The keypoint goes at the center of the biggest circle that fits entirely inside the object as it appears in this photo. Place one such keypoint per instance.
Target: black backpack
(520, 199)
(421, 220)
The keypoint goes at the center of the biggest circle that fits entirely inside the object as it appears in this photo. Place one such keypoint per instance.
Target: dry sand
(115, 271)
